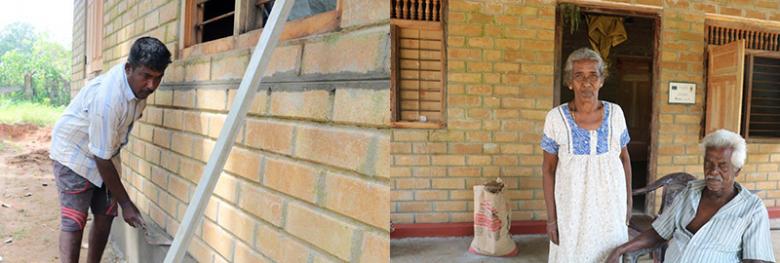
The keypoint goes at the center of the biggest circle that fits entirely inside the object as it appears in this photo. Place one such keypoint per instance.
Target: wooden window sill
(763, 140)
(418, 125)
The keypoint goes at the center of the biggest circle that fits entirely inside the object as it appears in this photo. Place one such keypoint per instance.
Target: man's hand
(614, 257)
(552, 231)
(131, 215)
(111, 178)
(647, 239)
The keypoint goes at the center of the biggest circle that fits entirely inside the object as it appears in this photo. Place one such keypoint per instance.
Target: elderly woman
(586, 168)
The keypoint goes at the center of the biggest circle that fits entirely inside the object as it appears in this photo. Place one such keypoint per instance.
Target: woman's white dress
(590, 185)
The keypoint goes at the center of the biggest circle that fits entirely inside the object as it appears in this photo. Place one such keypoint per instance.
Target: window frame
(93, 38)
(395, 105)
(723, 30)
(750, 55)
(242, 36)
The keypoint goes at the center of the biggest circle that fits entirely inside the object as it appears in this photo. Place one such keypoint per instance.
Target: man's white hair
(727, 139)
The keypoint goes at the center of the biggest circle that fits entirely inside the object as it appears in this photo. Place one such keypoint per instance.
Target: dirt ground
(29, 206)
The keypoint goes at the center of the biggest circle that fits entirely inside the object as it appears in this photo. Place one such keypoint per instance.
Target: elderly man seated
(715, 219)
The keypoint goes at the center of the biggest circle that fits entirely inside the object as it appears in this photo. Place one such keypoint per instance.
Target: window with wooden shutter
(94, 37)
(257, 12)
(761, 116)
(418, 63)
(743, 80)
(208, 20)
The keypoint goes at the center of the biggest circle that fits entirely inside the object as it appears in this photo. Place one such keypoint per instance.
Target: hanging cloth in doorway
(605, 32)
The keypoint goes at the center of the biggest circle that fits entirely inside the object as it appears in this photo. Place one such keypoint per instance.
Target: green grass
(14, 112)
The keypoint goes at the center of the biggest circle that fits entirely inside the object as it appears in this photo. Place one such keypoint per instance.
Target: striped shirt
(96, 123)
(739, 230)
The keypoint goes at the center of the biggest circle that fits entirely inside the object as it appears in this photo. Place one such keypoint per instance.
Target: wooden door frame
(643, 11)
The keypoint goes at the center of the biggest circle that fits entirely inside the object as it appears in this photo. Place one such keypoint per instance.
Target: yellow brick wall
(307, 179)
(500, 86)
(500, 78)
(681, 59)
(78, 52)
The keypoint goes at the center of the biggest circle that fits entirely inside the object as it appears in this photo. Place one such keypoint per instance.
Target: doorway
(630, 83)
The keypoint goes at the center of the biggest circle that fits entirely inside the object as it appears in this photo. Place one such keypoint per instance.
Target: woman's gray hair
(584, 54)
(727, 139)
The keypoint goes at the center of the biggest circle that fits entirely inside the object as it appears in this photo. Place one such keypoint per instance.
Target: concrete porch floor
(533, 248)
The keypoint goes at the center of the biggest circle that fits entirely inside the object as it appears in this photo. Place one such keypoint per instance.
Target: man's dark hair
(149, 52)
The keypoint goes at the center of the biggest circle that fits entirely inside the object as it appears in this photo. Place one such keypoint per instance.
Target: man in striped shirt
(715, 219)
(85, 147)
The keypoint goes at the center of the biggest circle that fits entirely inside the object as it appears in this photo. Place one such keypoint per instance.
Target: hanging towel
(605, 32)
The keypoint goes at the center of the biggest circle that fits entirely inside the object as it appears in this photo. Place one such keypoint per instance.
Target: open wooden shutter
(724, 86)
(418, 63)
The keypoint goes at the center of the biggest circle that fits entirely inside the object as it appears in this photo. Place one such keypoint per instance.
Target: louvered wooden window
(418, 63)
(743, 87)
(761, 114)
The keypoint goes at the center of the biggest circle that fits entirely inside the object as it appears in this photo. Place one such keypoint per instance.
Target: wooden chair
(672, 185)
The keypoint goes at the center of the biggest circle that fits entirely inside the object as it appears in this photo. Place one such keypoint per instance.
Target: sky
(52, 16)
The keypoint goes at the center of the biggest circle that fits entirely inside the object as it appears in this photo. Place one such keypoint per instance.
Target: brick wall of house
(78, 63)
(307, 180)
(682, 55)
(501, 57)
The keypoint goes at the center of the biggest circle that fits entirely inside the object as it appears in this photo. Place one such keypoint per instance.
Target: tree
(17, 36)
(46, 63)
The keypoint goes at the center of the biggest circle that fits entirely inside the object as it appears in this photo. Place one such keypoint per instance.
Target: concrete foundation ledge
(130, 245)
